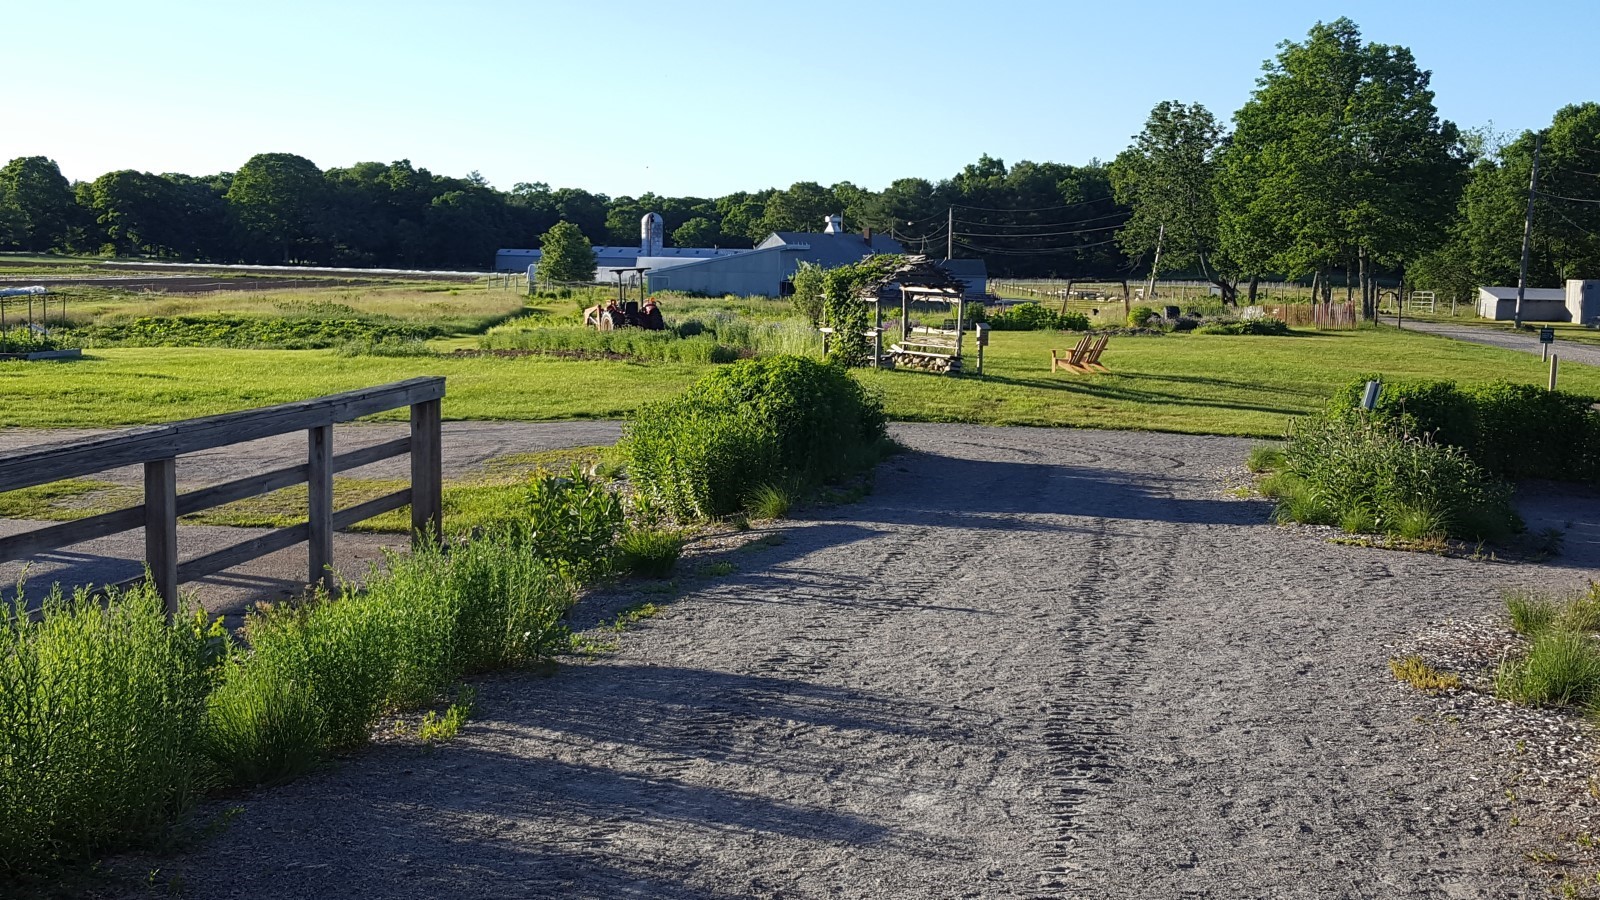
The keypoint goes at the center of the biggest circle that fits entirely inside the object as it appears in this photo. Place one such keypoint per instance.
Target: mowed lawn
(1206, 384)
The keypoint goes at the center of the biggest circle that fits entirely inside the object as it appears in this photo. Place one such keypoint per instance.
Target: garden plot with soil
(1033, 663)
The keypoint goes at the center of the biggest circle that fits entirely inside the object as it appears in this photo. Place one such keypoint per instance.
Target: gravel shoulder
(1033, 663)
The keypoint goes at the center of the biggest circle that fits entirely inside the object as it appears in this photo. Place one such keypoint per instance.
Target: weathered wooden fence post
(319, 504)
(161, 528)
(427, 471)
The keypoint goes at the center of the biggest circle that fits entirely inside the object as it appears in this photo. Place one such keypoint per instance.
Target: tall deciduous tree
(565, 255)
(278, 201)
(1167, 177)
(1339, 159)
(37, 203)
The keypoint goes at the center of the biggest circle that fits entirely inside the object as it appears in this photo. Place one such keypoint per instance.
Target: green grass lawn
(1205, 384)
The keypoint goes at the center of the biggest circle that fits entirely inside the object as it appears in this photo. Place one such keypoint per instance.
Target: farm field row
(1189, 383)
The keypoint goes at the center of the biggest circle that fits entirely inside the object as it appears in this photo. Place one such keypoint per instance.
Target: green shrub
(763, 421)
(1561, 668)
(1264, 326)
(651, 552)
(1511, 430)
(1353, 470)
(572, 522)
(101, 710)
(319, 674)
(1033, 317)
(27, 340)
(1142, 316)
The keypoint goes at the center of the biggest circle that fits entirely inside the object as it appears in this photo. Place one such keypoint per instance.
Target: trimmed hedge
(1511, 430)
(774, 420)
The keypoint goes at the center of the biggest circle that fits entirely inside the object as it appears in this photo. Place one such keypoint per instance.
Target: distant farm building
(763, 271)
(1578, 302)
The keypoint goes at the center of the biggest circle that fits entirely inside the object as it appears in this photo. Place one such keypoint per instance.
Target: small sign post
(1369, 398)
(1547, 336)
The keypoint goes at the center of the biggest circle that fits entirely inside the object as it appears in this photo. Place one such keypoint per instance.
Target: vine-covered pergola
(934, 349)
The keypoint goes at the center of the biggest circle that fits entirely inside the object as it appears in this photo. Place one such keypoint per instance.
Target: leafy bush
(651, 552)
(1142, 316)
(101, 709)
(761, 421)
(1512, 430)
(28, 340)
(1349, 470)
(226, 330)
(1033, 317)
(1560, 668)
(1265, 326)
(572, 521)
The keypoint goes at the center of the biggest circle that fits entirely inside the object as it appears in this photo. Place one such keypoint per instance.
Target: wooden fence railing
(158, 447)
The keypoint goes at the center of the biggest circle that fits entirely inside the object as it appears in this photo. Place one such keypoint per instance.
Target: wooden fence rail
(157, 448)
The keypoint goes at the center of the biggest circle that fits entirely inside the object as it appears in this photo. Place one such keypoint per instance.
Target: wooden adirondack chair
(1070, 360)
(1091, 360)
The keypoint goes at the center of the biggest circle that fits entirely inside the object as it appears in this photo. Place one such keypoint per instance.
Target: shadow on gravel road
(1013, 496)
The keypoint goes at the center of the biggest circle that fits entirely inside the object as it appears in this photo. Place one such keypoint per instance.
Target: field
(1191, 383)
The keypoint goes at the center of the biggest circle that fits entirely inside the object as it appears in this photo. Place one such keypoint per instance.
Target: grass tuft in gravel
(650, 552)
(1561, 668)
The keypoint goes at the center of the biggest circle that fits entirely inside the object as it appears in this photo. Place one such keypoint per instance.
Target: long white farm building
(764, 270)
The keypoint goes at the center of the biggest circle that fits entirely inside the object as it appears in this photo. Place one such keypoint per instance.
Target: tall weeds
(102, 707)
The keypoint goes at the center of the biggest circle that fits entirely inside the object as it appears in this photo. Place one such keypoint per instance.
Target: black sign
(1547, 335)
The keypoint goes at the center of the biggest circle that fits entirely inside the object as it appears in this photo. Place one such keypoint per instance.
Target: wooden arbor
(933, 349)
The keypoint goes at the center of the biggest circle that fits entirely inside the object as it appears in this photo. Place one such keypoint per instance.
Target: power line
(1569, 199)
(1043, 224)
(1039, 234)
(1574, 224)
(1033, 209)
(1035, 251)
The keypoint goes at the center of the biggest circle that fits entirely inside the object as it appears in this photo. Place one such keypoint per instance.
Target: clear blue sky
(623, 97)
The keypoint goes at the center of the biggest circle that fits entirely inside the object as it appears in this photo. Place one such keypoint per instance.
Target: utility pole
(950, 232)
(1527, 231)
(1161, 236)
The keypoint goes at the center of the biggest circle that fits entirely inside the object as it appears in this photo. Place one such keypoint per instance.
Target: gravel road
(1507, 339)
(1034, 663)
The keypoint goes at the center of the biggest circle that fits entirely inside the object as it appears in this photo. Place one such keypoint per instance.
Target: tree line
(281, 208)
(1337, 170)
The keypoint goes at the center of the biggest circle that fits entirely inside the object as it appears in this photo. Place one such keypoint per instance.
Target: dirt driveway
(1033, 663)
